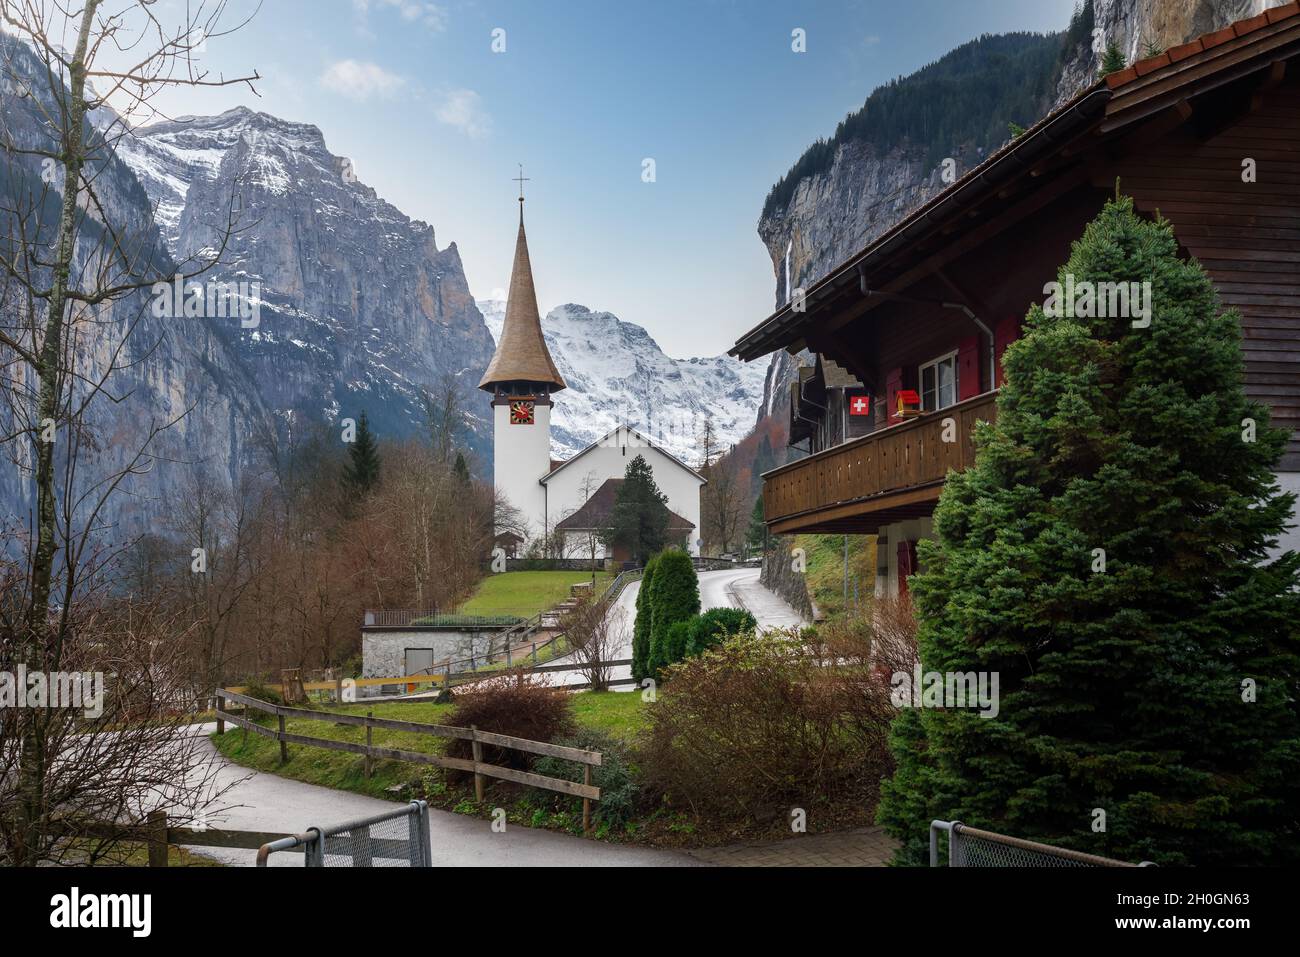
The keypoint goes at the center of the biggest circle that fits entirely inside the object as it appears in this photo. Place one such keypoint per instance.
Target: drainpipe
(988, 333)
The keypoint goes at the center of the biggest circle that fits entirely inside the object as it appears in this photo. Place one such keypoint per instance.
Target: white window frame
(934, 364)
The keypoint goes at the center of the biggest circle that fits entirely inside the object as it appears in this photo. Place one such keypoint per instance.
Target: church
(564, 502)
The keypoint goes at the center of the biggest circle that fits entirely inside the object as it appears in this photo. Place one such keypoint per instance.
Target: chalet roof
(1148, 87)
(521, 354)
(596, 511)
(835, 376)
(640, 441)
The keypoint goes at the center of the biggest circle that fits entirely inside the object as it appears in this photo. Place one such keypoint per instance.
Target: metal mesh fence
(971, 847)
(397, 838)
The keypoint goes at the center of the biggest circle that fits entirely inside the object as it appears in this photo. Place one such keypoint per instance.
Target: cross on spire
(521, 179)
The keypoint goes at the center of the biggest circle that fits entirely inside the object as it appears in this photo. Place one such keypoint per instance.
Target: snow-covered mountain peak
(617, 373)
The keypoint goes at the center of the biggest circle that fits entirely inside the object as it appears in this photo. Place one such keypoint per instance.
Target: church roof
(638, 441)
(521, 354)
(595, 512)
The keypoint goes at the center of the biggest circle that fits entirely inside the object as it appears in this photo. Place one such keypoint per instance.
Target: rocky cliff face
(1135, 26)
(616, 373)
(353, 305)
(835, 213)
(360, 309)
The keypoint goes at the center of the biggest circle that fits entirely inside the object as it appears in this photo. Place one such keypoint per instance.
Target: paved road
(732, 588)
(257, 801)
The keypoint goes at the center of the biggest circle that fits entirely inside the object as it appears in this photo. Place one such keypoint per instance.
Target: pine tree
(756, 535)
(361, 473)
(764, 461)
(1107, 557)
(461, 468)
(641, 627)
(674, 597)
(639, 519)
(1112, 61)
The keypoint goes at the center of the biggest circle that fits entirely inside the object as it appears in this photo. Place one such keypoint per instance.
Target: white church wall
(609, 459)
(521, 456)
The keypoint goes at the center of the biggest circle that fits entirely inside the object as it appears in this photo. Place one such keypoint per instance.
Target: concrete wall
(887, 551)
(1290, 540)
(383, 652)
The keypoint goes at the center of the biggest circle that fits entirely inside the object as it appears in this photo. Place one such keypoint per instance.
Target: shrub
(757, 726)
(641, 627)
(620, 791)
(679, 634)
(708, 629)
(259, 689)
(514, 704)
(674, 596)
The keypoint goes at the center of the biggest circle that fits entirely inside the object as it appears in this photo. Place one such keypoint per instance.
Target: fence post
(586, 801)
(284, 746)
(478, 759)
(157, 827)
(221, 722)
(534, 652)
(509, 658)
(369, 741)
(446, 681)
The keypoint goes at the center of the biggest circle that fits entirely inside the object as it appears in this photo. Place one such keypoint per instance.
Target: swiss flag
(860, 405)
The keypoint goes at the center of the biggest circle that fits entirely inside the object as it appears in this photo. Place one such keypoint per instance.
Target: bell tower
(522, 378)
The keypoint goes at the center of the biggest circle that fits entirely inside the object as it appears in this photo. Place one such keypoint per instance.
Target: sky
(436, 104)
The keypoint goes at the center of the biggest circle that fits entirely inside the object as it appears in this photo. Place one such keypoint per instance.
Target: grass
(825, 575)
(525, 593)
(619, 713)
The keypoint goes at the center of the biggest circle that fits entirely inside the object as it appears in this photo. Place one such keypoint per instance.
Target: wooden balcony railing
(892, 473)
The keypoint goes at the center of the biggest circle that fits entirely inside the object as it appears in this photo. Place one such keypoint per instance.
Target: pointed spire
(521, 354)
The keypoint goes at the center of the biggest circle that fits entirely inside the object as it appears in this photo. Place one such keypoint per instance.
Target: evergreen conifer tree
(1107, 556)
(361, 473)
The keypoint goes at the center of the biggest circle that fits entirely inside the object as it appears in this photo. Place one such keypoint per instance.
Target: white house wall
(609, 459)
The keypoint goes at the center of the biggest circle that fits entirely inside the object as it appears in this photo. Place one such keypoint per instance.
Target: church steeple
(522, 363)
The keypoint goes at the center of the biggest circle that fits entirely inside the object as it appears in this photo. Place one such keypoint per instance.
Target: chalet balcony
(891, 475)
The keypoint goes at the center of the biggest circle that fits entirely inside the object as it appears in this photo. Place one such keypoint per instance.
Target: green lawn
(525, 593)
(618, 713)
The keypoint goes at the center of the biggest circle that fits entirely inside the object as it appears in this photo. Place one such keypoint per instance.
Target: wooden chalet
(925, 311)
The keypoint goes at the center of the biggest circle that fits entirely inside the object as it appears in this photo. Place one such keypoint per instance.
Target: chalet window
(939, 383)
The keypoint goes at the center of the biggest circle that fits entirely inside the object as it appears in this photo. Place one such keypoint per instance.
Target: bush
(708, 630)
(674, 596)
(620, 791)
(514, 704)
(679, 634)
(641, 627)
(757, 726)
(259, 689)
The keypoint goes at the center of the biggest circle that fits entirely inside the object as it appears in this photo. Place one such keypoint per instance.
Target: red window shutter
(968, 368)
(906, 564)
(893, 385)
(1005, 332)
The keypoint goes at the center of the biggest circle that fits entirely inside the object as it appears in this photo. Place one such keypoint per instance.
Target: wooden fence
(159, 835)
(476, 766)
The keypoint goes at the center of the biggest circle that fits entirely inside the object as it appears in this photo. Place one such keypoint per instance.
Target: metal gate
(397, 838)
(971, 847)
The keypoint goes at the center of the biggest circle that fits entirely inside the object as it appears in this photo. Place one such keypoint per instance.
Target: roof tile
(1120, 77)
(1183, 51)
(1275, 14)
(1250, 24)
(1143, 67)
(1217, 37)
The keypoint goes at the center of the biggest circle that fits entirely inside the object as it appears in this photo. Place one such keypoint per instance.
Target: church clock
(521, 412)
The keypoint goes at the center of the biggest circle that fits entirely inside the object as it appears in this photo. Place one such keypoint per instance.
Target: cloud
(429, 15)
(358, 80)
(463, 109)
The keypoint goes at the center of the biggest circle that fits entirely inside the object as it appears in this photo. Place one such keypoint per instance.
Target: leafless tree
(592, 629)
(75, 269)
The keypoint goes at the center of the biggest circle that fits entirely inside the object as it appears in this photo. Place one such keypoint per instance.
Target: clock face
(521, 412)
